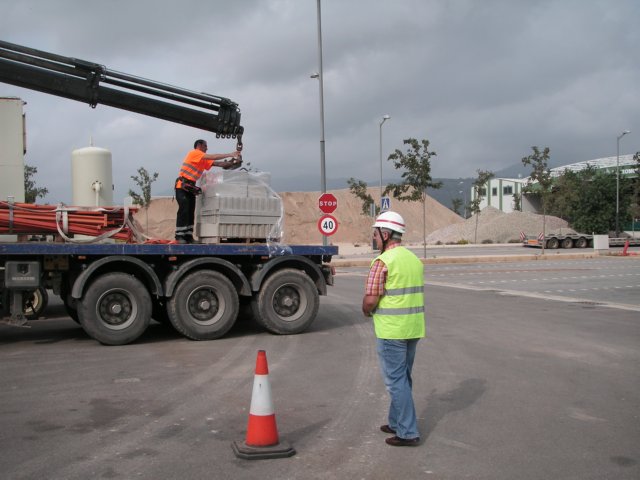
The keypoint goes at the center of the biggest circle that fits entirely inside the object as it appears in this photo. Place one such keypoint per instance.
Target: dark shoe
(387, 429)
(403, 442)
(181, 241)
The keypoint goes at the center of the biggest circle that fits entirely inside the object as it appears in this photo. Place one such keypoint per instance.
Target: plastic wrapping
(239, 206)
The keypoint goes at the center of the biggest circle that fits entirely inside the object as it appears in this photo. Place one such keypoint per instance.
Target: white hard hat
(391, 220)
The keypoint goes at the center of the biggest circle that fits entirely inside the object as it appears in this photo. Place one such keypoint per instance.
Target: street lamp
(618, 180)
(384, 119)
(465, 200)
(323, 175)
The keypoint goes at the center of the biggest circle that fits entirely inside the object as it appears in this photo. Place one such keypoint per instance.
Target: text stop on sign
(327, 202)
(328, 225)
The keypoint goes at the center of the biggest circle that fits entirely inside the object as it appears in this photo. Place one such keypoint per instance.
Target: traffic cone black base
(262, 440)
(282, 450)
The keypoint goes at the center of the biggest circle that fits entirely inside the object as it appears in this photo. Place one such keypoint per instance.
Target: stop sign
(327, 203)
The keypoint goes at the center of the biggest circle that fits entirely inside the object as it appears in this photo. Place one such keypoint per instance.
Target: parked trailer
(114, 290)
(571, 240)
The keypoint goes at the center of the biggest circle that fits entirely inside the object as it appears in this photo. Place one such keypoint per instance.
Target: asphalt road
(506, 385)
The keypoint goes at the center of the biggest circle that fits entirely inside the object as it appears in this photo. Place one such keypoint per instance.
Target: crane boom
(87, 82)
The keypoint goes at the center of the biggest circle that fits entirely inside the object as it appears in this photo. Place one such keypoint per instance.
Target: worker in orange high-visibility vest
(192, 168)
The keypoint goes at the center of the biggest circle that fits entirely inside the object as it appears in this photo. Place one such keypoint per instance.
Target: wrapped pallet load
(238, 206)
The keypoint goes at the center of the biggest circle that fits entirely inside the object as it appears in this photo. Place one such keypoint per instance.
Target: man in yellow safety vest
(394, 296)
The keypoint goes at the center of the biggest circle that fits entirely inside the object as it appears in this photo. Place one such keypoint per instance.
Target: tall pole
(384, 119)
(323, 175)
(618, 181)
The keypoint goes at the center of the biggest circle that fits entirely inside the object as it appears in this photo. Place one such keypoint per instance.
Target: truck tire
(116, 309)
(204, 305)
(287, 302)
(567, 243)
(553, 243)
(34, 303)
(582, 243)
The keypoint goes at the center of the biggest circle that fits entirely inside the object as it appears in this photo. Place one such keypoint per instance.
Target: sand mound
(301, 215)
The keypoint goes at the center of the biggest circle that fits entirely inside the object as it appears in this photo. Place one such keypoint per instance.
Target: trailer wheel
(116, 309)
(287, 302)
(567, 243)
(582, 242)
(34, 303)
(553, 243)
(204, 305)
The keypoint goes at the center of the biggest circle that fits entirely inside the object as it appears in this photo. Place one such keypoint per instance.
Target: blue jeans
(396, 361)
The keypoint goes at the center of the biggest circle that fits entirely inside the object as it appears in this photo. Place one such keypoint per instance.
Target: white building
(499, 192)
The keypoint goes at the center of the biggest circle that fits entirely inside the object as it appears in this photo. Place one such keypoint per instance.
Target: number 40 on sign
(328, 225)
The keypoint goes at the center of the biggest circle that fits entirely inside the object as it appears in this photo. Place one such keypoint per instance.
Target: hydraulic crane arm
(86, 82)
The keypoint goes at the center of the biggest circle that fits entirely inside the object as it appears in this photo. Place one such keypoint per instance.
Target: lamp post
(323, 176)
(384, 119)
(618, 180)
(464, 205)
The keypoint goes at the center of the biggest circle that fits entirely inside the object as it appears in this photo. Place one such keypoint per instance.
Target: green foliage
(540, 173)
(517, 202)
(416, 177)
(144, 181)
(31, 192)
(479, 190)
(587, 200)
(359, 189)
(415, 164)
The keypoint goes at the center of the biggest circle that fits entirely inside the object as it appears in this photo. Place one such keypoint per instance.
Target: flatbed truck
(113, 290)
(572, 240)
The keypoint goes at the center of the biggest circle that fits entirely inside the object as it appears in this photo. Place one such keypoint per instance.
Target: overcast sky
(482, 80)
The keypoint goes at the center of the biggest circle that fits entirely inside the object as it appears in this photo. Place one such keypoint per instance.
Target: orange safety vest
(193, 166)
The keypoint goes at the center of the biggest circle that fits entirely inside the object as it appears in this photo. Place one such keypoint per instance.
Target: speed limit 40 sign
(328, 225)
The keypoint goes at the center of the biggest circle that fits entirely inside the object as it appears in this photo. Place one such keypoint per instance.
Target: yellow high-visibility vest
(399, 314)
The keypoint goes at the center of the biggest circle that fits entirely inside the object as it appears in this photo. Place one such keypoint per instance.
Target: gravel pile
(495, 226)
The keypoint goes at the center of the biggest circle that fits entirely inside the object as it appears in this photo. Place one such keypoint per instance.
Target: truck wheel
(34, 303)
(116, 309)
(287, 302)
(567, 243)
(204, 305)
(553, 243)
(582, 242)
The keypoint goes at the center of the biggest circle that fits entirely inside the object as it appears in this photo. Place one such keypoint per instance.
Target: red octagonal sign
(327, 203)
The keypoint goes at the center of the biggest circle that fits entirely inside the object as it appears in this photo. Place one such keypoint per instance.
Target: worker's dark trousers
(184, 220)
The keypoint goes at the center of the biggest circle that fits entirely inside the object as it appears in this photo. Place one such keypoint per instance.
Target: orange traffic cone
(262, 439)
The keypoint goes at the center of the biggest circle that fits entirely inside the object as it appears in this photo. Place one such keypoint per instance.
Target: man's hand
(369, 303)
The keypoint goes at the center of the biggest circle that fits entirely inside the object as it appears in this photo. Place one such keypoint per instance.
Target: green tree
(31, 192)
(143, 180)
(597, 203)
(479, 192)
(359, 189)
(416, 177)
(541, 180)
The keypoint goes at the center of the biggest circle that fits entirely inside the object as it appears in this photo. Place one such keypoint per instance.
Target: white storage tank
(92, 177)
